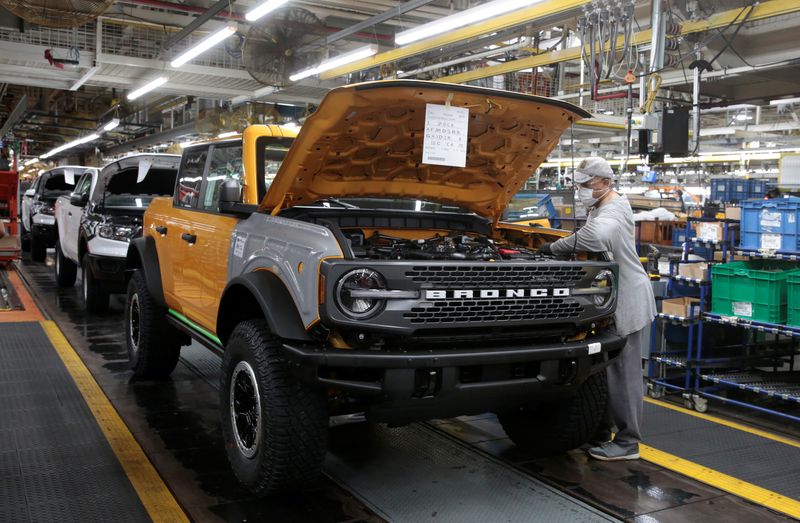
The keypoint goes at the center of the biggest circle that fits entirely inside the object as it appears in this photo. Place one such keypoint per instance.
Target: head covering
(592, 167)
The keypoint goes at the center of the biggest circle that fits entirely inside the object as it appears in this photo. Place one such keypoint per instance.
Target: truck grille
(494, 276)
(500, 311)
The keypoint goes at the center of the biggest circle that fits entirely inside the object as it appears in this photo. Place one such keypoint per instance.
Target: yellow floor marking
(154, 494)
(731, 424)
(748, 491)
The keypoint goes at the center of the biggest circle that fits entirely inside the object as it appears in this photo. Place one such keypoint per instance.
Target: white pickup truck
(101, 216)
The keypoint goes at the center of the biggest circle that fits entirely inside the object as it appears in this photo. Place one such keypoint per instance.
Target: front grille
(500, 310)
(494, 276)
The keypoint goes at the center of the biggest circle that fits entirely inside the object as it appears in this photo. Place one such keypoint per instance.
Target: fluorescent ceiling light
(204, 45)
(468, 17)
(227, 134)
(784, 101)
(146, 88)
(70, 145)
(113, 124)
(338, 61)
(743, 117)
(30, 162)
(263, 9)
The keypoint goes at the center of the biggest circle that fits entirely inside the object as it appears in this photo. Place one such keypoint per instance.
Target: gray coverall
(610, 229)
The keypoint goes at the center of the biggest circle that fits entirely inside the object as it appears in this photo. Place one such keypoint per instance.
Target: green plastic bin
(793, 299)
(755, 290)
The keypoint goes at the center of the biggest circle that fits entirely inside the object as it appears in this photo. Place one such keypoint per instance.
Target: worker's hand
(546, 248)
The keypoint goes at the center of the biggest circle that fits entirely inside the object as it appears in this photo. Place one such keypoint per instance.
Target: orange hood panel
(365, 140)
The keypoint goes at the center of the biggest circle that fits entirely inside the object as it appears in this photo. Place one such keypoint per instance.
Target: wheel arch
(259, 294)
(142, 255)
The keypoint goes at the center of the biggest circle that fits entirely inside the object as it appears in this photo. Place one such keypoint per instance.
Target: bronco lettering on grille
(467, 294)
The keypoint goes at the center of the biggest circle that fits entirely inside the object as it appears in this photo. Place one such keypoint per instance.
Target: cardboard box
(697, 271)
(679, 306)
(733, 213)
(709, 231)
(718, 257)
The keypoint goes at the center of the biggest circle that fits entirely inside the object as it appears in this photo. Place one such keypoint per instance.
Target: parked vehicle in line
(97, 221)
(335, 273)
(38, 224)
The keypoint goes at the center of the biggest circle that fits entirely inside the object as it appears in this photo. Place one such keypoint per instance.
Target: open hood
(366, 140)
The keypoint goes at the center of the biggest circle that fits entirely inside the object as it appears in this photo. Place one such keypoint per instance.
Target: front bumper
(108, 270)
(411, 386)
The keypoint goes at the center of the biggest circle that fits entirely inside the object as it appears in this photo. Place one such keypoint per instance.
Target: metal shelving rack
(660, 363)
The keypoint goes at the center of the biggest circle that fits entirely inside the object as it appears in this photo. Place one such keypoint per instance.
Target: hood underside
(366, 140)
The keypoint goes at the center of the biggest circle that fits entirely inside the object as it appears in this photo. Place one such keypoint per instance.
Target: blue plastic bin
(756, 188)
(771, 224)
(721, 189)
(731, 190)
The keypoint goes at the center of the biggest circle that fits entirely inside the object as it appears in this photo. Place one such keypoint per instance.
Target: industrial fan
(276, 48)
(57, 13)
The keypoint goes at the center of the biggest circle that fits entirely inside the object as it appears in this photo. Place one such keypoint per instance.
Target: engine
(440, 247)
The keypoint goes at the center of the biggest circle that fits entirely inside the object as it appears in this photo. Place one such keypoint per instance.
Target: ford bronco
(336, 273)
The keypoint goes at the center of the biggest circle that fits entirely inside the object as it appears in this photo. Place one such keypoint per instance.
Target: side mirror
(79, 200)
(30, 193)
(230, 192)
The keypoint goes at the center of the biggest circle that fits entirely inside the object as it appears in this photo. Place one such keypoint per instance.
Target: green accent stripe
(194, 326)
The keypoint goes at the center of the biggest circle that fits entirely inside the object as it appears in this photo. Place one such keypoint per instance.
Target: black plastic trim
(145, 247)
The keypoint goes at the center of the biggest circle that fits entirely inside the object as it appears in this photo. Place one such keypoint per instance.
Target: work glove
(546, 248)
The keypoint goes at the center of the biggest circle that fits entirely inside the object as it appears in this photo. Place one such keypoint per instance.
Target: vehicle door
(71, 213)
(212, 231)
(176, 252)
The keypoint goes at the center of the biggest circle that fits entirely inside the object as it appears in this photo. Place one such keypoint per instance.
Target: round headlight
(359, 280)
(605, 282)
(105, 231)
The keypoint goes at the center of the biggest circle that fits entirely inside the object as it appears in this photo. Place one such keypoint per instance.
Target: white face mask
(585, 196)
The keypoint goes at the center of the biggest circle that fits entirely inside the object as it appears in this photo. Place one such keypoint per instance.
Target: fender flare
(142, 254)
(273, 299)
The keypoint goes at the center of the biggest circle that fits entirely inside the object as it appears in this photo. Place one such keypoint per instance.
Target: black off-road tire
(291, 430)
(153, 344)
(562, 425)
(24, 237)
(66, 269)
(95, 296)
(38, 248)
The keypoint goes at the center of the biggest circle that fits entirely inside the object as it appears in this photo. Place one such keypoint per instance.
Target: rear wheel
(94, 295)
(561, 425)
(66, 269)
(38, 248)
(275, 428)
(153, 344)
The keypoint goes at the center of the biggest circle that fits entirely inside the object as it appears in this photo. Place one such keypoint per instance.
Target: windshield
(57, 185)
(123, 189)
(274, 153)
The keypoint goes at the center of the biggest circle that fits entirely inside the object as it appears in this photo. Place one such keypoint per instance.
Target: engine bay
(381, 246)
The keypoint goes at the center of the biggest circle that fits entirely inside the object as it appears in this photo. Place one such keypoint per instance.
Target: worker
(609, 228)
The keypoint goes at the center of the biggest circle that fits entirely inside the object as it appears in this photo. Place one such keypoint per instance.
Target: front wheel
(94, 295)
(38, 248)
(66, 269)
(275, 428)
(561, 425)
(153, 344)
(24, 237)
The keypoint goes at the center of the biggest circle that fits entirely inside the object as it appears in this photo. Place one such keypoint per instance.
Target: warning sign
(446, 132)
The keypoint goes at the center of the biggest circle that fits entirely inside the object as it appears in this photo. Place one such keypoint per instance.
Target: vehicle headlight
(350, 296)
(604, 283)
(122, 233)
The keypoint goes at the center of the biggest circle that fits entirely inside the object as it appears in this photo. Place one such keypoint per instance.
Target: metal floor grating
(748, 457)
(410, 473)
(55, 463)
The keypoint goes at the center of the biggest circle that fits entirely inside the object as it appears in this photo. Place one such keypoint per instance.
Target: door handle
(161, 229)
(189, 238)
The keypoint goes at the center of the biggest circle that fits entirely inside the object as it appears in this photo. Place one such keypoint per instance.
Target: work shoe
(611, 451)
